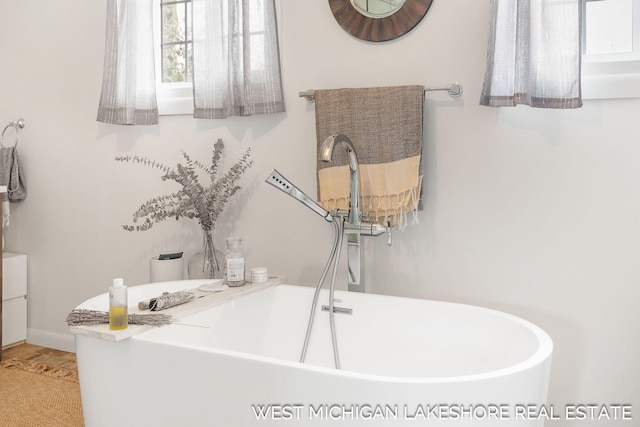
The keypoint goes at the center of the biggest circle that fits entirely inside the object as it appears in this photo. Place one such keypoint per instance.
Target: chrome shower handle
(365, 229)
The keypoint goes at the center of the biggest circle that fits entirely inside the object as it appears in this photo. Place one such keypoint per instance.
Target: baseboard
(64, 342)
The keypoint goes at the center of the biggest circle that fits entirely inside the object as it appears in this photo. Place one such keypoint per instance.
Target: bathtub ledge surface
(103, 332)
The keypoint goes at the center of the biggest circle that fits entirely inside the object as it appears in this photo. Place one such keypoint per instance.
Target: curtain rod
(454, 90)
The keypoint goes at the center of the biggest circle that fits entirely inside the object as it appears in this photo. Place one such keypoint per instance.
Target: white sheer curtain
(533, 55)
(128, 84)
(236, 59)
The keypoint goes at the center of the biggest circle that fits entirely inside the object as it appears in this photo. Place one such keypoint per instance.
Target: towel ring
(17, 125)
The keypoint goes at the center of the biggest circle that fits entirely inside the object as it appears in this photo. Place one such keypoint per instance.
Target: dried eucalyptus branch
(195, 201)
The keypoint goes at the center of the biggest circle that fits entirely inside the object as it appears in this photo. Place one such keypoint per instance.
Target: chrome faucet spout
(326, 153)
(353, 227)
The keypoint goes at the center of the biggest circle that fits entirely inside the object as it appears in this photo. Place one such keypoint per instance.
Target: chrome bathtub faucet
(354, 228)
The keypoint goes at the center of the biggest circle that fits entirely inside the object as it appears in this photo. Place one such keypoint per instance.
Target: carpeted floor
(39, 387)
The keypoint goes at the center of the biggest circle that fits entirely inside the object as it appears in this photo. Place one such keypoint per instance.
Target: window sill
(611, 76)
(175, 100)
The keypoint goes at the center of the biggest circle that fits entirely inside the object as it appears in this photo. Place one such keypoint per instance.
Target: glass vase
(207, 262)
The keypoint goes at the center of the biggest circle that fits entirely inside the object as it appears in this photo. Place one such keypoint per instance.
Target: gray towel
(11, 174)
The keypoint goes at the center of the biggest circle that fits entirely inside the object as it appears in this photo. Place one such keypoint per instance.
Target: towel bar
(454, 90)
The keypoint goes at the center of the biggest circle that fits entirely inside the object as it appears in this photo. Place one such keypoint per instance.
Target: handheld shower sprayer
(281, 183)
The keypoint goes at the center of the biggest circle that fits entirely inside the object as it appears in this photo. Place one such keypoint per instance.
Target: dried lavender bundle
(82, 317)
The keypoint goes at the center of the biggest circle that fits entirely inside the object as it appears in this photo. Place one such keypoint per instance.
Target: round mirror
(379, 20)
(377, 8)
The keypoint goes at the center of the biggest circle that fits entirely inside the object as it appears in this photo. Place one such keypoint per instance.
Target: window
(176, 46)
(174, 56)
(174, 52)
(188, 51)
(611, 49)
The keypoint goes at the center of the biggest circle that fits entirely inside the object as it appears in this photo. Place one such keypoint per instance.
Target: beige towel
(385, 126)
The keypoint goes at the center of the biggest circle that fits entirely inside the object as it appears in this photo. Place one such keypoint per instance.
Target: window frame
(615, 75)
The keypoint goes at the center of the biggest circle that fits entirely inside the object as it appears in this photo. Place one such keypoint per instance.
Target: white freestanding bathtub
(404, 362)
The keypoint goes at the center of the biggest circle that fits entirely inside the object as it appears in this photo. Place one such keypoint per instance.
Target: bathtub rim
(542, 354)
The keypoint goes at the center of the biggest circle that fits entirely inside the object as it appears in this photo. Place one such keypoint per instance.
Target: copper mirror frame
(379, 29)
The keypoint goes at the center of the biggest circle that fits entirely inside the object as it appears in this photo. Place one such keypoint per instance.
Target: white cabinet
(14, 298)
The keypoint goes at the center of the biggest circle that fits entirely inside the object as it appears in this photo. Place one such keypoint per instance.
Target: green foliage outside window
(177, 58)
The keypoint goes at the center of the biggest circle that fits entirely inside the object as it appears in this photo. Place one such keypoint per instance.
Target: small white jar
(259, 275)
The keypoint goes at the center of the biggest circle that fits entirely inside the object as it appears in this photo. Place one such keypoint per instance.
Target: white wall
(533, 212)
